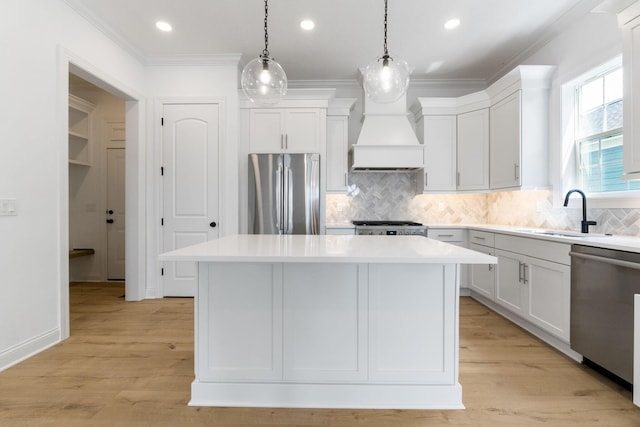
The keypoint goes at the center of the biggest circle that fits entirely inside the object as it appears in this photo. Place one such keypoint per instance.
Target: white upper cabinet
(338, 144)
(295, 130)
(455, 134)
(505, 143)
(473, 150)
(519, 129)
(438, 134)
(629, 21)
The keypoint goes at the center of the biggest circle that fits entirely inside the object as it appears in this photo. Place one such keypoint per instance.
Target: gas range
(390, 228)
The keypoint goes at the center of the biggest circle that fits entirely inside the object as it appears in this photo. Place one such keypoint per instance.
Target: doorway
(96, 183)
(68, 62)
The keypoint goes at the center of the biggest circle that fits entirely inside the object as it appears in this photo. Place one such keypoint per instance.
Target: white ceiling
(493, 36)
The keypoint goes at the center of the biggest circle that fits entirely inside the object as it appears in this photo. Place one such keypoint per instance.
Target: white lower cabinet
(510, 291)
(532, 279)
(454, 236)
(483, 277)
(532, 287)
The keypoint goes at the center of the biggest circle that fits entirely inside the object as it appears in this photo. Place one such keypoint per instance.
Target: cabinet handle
(282, 141)
(426, 180)
(516, 171)
(520, 264)
(445, 235)
(479, 238)
(490, 267)
(525, 271)
(286, 141)
(346, 179)
(457, 179)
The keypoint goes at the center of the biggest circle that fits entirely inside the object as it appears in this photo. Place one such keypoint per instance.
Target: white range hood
(387, 142)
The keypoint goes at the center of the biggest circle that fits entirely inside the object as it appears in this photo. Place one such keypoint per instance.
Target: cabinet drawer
(446, 234)
(481, 238)
(538, 248)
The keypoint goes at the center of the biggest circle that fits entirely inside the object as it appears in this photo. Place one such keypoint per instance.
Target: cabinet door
(483, 277)
(631, 57)
(505, 142)
(473, 150)
(439, 153)
(302, 130)
(266, 130)
(337, 153)
(549, 287)
(509, 286)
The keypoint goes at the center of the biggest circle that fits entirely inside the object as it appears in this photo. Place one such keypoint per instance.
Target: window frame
(568, 166)
(598, 73)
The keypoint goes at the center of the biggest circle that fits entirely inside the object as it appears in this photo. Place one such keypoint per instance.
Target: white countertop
(324, 248)
(621, 243)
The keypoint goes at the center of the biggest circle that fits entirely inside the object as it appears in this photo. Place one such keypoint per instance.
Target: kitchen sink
(560, 233)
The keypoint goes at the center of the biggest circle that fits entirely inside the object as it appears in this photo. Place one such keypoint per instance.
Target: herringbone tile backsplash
(393, 196)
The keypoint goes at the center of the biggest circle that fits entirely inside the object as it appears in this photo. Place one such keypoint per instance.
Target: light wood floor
(131, 364)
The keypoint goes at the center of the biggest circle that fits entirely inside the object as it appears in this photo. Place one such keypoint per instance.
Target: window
(599, 133)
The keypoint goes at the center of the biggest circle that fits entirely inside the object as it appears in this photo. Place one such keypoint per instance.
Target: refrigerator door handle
(278, 205)
(313, 193)
(288, 201)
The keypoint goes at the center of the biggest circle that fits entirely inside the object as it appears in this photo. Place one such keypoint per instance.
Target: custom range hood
(387, 142)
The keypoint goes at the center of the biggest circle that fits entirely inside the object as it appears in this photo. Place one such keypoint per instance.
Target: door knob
(110, 212)
(109, 221)
(212, 225)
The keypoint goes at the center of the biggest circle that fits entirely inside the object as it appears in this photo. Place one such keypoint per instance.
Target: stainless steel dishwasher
(603, 282)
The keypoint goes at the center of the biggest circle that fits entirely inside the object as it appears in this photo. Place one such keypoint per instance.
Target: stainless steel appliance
(390, 228)
(603, 282)
(284, 193)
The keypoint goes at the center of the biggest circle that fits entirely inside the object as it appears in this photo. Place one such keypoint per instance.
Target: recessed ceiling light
(164, 26)
(307, 24)
(452, 23)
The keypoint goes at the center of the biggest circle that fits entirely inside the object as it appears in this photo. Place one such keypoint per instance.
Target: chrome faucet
(584, 224)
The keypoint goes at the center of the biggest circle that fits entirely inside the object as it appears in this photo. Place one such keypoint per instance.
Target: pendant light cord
(265, 52)
(386, 51)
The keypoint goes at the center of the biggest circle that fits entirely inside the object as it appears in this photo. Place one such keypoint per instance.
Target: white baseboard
(19, 352)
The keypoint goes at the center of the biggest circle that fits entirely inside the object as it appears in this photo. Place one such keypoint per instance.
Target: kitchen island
(327, 321)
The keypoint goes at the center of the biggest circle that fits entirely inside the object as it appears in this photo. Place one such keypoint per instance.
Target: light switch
(8, 207)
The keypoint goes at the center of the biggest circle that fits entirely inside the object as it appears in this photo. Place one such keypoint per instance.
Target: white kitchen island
(327, 321)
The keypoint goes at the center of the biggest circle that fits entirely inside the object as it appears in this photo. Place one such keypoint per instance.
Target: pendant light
(263, 79)
(386, 78)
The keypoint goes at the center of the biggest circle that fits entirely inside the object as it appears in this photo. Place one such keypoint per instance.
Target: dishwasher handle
(618, 262)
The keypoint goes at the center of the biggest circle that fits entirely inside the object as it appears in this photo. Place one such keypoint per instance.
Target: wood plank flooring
(131, 364)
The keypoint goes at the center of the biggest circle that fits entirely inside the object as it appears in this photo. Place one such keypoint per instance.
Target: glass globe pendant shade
(386, 79)
(264, 81)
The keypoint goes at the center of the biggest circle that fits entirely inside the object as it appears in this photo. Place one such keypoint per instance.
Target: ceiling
(493, 36)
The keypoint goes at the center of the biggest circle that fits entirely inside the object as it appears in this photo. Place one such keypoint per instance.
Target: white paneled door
(115, 213)
(190, 140)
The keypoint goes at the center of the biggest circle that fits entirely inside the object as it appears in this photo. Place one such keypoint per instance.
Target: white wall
(33, 167)
(38, 40)
(586, 44)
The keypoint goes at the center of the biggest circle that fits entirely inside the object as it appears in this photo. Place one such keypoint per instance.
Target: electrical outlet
(8, 207)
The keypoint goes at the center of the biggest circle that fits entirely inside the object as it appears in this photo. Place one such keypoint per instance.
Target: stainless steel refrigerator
(284, 193)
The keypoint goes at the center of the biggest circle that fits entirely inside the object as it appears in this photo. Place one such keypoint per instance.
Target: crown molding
(575, 12)
(78, 7)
